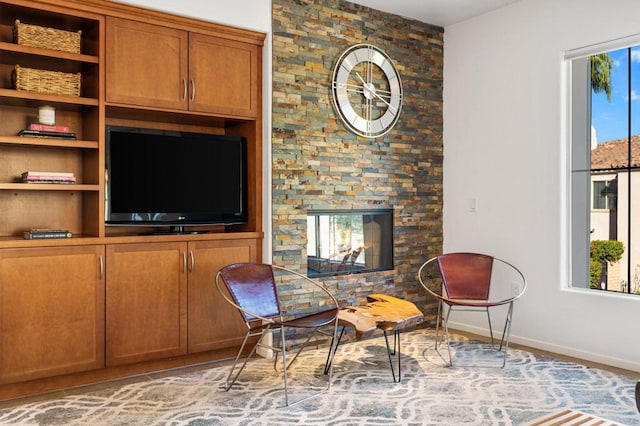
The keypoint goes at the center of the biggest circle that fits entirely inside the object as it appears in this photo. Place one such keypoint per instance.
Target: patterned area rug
(362, 393)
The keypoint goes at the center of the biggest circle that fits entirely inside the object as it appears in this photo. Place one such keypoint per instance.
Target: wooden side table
(382, 312)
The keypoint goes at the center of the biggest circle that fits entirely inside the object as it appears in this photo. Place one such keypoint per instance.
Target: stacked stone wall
(319, 165)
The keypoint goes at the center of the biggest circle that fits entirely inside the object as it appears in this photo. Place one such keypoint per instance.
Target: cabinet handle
(101, 267)
(193, 89)
(192, 260)
(184, 262)
(184, 89)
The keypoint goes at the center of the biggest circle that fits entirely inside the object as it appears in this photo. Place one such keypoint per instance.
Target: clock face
(367, 91)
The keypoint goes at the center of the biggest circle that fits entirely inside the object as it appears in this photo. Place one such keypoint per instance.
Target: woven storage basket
(46, 38)
(42, 81)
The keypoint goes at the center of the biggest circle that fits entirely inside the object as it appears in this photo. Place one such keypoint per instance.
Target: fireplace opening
(341, 242)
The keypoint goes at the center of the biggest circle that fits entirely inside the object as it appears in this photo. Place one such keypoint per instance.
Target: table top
(382, 312)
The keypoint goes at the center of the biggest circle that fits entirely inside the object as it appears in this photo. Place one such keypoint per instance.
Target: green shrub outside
(603, 251)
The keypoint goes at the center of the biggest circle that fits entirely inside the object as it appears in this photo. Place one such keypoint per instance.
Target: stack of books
(36, 130)
(43, 233)
(48, 177)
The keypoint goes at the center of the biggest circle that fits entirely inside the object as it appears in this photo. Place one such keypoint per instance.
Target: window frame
(578, 184)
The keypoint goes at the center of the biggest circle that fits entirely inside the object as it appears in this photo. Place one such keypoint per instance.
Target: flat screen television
(169, 178)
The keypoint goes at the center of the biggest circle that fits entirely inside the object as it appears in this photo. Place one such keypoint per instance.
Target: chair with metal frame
(253, 289)
(472, 282)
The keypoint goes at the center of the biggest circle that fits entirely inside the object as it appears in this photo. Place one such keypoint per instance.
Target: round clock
(367, 91)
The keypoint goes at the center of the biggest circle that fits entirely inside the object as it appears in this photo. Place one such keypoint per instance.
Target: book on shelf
(37, 173)
(66, 181)
(44, 134)
(44, 233)
(48, 128)
(48, 177)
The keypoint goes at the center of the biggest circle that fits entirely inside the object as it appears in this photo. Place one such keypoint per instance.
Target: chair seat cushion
(468, 302)
(311, 321)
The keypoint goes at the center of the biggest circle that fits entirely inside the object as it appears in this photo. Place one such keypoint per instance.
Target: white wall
(249, 14)
(505, 138)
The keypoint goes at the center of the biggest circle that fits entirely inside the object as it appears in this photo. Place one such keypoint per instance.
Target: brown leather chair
(253, 289)
(471, 282)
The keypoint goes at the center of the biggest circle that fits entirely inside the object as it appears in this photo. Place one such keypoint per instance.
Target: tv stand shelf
(8, 242)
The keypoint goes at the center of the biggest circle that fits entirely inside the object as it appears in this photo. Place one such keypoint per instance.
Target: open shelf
(47, 187)
(19, 97)
(48, 142)
(21, 51)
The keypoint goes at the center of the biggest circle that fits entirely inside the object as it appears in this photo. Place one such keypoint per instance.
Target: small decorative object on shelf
(48, 177)
(47, 115)
(45, 233)
(46, 38)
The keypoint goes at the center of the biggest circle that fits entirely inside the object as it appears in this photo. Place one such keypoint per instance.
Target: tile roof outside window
(613, 154)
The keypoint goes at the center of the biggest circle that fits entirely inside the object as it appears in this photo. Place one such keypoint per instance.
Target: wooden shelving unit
(72, 290)
(81, 113)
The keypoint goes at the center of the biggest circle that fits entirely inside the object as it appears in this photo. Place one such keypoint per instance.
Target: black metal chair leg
(332, 352)
(395, 351)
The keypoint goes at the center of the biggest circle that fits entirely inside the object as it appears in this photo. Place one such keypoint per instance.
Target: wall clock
(367, 90)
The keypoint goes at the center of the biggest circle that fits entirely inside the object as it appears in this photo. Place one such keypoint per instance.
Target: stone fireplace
(319, 166)
(342, 242)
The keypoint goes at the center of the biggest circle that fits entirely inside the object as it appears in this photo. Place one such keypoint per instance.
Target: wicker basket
(46, 38)
(42, 81)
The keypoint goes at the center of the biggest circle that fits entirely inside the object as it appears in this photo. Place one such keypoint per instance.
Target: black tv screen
(159, 177)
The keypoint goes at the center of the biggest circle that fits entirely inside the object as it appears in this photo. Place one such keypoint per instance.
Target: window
(604, 194)
(605, 168)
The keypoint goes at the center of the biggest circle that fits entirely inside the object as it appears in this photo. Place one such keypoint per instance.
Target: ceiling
(436, 12)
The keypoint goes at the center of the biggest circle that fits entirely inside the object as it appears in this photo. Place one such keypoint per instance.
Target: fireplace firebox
(341, 242)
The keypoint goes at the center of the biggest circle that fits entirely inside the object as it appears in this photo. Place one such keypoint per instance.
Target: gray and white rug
(362, 393)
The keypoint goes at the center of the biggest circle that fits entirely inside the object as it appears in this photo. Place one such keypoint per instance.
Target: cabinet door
(51, 311)
(223, 76)
(214, 323)
(146, 64)
(146, 302)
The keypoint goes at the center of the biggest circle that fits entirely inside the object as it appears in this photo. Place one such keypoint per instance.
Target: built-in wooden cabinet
(161, 67)
(113, 301)
(146, 302)
(207, 309)
(147, 65)
(161, 299)
(223, 75)
(51, 311)
(138, 67)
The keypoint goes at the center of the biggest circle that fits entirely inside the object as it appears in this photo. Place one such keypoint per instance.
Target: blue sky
(610, 118)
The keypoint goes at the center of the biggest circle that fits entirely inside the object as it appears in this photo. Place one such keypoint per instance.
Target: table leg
(332, 352)
(395, 351)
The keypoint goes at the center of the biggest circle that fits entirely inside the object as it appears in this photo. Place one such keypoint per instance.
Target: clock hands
(369, 88)
(352, 88)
